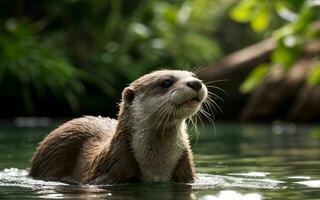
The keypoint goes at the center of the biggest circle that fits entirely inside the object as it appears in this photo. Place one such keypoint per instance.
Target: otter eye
(167, 83)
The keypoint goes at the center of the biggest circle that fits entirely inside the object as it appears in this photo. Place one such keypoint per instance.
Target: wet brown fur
(97, 150)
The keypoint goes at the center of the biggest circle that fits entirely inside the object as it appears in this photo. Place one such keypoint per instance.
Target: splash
(19, 178)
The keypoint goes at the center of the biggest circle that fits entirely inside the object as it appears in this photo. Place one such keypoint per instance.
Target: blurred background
(67, 58)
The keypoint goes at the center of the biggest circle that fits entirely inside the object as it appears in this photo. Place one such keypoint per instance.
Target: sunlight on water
(312, 184)
(232, 195)
(251, 174)
(300, 177)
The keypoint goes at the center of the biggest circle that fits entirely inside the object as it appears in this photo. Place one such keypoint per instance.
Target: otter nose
(195, 85)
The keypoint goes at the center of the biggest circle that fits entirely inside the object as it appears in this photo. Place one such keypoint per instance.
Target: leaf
(243, 11)
(286, 55)
(261, 19)
(283, 32)
(306, 16)
(314, 75)
(254, 78)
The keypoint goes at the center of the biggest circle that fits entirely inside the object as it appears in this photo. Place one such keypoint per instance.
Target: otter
(148, 142)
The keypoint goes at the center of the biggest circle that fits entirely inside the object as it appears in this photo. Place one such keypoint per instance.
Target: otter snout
(195, 85)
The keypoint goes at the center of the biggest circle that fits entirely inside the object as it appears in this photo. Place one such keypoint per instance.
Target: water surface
(238, 162)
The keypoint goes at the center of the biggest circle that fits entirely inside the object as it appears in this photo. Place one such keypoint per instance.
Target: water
(237, 162)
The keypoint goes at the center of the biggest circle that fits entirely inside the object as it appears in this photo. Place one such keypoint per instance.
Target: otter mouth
(191, 103)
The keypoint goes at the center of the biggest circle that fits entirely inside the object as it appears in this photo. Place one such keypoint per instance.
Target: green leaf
(314, 75)
(243, 11)
(306, 16)
(261, 19)
(286, 55)
(283, 32)
(254, 78)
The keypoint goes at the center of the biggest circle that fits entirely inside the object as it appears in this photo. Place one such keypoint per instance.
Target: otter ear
(128, 95)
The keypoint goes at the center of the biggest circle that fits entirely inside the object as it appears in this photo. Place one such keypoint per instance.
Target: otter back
(69, 150)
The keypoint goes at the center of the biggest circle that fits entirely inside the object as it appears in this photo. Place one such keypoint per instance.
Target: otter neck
(158, 147)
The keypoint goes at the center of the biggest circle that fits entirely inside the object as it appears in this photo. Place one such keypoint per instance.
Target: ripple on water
(205, 181)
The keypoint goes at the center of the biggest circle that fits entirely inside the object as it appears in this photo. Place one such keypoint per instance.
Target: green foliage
(165, 34)
(254, 11)
(314, 75)
(293, 35)
(28, 63)
(67, 48)
(298, 27)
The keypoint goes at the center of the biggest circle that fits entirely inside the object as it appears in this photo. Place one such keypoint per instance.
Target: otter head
(164, 95)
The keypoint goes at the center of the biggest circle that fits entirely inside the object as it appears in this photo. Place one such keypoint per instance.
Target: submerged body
(149, 141)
